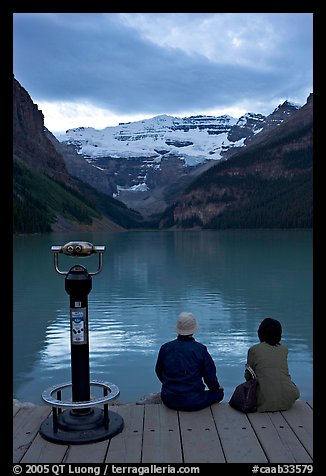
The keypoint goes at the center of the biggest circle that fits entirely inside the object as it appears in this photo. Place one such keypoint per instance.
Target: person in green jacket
(268, 359)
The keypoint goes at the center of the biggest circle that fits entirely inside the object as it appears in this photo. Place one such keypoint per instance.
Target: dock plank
(289, 438)
(15, 408)
(26, 425)
(126, 447)
(153, 433)
(87, 453)
(270, 439)
(239, 441)
(43, 451)
(200, 441)
(161, 439)
(300, 418)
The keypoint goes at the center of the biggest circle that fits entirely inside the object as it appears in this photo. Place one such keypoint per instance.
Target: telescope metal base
(74, 428)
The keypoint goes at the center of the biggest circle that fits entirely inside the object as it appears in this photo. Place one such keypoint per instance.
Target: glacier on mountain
(194, 139)
(148, 156)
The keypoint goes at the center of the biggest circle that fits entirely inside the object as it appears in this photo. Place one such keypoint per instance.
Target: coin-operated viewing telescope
(82, 421)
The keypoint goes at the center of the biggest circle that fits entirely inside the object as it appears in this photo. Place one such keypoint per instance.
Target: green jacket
(275, 390)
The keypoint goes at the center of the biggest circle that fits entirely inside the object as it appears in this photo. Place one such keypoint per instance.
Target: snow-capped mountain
(149, 157)
(193, 139)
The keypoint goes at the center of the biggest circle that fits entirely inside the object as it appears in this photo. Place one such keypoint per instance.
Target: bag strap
(251, 371)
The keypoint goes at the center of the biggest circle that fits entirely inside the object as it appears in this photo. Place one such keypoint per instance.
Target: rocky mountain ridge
(267, 184)
(147, 164)
(37, 151)
(46, 197)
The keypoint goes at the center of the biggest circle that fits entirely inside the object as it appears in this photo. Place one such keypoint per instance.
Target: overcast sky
(99, 69)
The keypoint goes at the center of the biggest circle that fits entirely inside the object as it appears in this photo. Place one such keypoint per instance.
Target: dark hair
(270, 331)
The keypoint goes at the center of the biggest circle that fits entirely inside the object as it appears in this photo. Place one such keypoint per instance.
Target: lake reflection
(230, 280)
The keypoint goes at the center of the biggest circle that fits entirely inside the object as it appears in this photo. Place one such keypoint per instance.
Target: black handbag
(244, 397)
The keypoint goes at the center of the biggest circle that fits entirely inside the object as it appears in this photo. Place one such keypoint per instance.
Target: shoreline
(151, 398)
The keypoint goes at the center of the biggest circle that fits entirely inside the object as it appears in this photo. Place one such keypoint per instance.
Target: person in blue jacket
(184, 366)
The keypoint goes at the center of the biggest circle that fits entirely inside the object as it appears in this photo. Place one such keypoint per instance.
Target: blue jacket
(183, 365)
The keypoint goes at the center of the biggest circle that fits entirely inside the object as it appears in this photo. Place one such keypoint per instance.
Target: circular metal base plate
(76, 429)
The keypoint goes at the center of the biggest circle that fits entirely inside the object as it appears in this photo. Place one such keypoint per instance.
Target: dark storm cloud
(100, 59)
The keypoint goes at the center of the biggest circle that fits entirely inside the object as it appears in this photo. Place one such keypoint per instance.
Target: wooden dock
(155, 434)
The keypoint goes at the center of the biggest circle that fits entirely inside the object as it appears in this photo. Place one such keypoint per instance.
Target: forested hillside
(45, 196)
(41, 204)
(267, 185)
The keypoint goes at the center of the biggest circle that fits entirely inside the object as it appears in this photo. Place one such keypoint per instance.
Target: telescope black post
(82, 421)
(78, 284)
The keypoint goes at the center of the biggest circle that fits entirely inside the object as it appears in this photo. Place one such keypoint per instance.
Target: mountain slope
(39, 201)
(45, 196)
(263, 180)
(267, 184)
(42, 204)
(147, 164)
